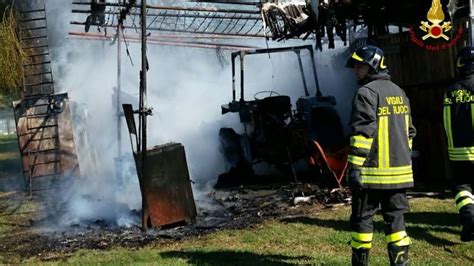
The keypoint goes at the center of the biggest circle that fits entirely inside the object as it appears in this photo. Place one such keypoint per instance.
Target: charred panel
(167, 186)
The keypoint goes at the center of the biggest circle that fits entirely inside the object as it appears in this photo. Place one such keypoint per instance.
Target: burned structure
(218, 24)
(162, 171)
(278, 134)
(194, 23)
(191, 23)
(43, 118)
(211, 24)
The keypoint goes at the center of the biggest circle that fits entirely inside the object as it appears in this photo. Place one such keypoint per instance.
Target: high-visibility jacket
(458, 118)
(382, 134)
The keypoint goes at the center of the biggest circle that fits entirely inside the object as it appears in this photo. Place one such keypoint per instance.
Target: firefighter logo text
(460, 96)
(395, 105)
(435, 28)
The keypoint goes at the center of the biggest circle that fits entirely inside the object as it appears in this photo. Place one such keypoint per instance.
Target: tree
(12, 55)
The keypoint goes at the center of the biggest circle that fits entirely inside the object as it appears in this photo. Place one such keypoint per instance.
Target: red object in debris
(336, 161)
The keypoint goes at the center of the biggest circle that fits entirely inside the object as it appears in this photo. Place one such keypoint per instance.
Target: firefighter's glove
(353, 179)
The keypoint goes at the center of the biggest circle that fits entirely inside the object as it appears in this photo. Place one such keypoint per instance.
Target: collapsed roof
(276, 20)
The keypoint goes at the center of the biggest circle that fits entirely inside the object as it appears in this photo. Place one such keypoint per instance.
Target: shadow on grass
(433, 218)
(422, 225)
(11, 176)
(227, 257)
(10, 207)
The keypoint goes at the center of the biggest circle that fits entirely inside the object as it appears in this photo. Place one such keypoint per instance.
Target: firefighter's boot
(466, 233)
(466, 215)
(360, 257)
(398, 255)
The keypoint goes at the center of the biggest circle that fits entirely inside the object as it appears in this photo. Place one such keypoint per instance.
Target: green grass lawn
(318, 238)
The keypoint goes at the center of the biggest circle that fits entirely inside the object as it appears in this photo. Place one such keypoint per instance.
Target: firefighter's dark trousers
(365, 203)
(463, 172)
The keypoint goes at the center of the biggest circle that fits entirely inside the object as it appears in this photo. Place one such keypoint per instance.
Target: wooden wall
(411, 65)
(424, 75)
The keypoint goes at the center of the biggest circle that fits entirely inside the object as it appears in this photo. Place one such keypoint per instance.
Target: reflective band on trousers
(466, 198)
(361, 142)
(463, 203)
(357, 160)
(361, 240)
(463, 193)
(399, 239)
(383, 143)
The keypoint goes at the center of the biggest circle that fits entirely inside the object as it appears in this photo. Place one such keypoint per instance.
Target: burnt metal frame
(39, 50)
(203, 20)
(296, 49)
(179, 25)
(168, 40)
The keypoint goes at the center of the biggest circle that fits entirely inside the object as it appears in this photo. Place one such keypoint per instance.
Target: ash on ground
(238, 208)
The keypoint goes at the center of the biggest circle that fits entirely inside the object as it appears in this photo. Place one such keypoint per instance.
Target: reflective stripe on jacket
(458, 118)
(382, 134)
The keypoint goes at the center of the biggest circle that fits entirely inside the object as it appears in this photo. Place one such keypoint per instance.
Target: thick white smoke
(186, 87)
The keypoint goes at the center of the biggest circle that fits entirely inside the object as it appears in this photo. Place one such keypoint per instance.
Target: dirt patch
(35, 236)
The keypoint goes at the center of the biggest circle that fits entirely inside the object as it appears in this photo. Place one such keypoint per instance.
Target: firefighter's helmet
(370, 55)
(465, 61)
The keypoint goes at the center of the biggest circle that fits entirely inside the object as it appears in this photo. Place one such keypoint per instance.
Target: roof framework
(202, 24)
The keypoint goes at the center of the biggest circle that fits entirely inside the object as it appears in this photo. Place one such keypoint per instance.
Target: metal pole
(306, 93)
(315, 73)
(471, 22)
(242, 54)
(233, 77)
(119, 100)
(143, 112)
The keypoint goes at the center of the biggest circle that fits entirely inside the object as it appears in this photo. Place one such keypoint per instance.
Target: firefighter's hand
(353, 179)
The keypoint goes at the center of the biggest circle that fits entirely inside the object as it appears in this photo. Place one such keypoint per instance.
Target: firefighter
(380, 168)
(458, 114)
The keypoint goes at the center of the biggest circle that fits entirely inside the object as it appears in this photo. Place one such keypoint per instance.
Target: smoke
(186, 87)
